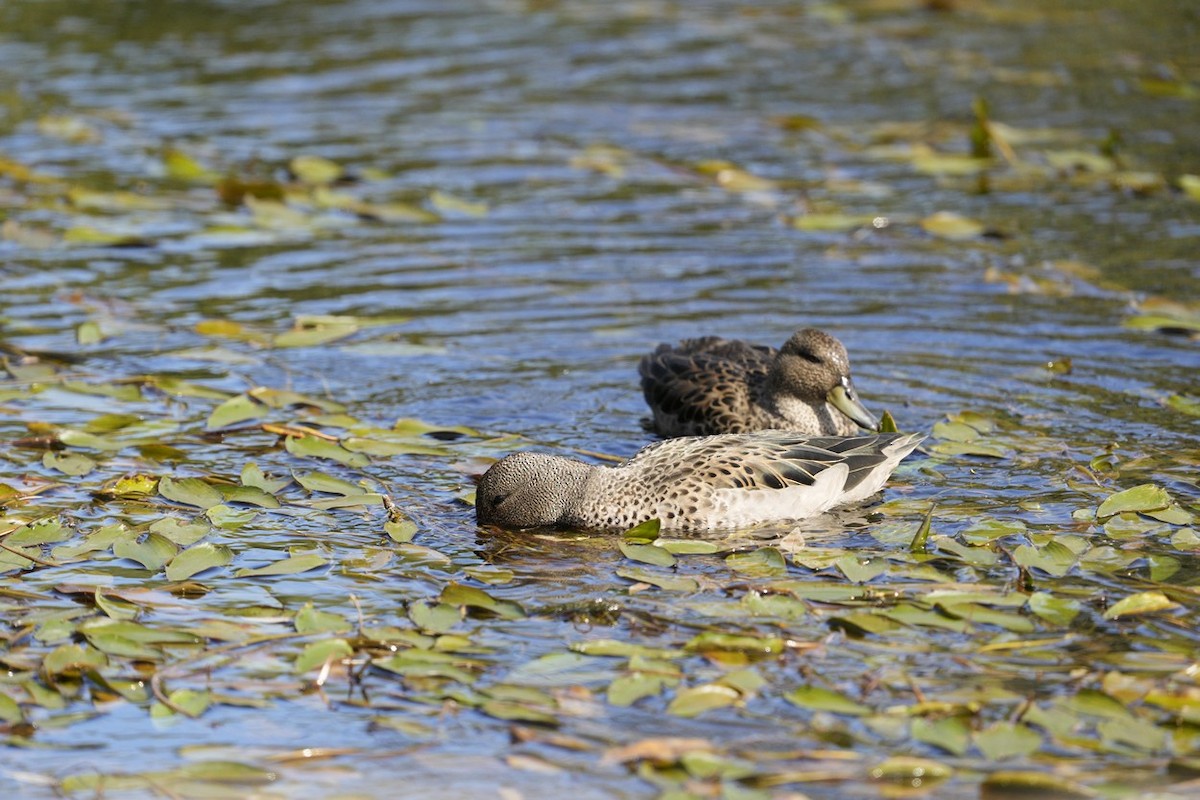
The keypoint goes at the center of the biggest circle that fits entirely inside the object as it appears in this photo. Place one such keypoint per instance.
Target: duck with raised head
(711, 385)
(692, 483)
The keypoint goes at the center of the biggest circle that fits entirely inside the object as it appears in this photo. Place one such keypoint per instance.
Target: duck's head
(526, 490)
(815, 367)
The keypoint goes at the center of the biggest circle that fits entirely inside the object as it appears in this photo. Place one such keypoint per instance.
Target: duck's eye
(498, 499)
(811, 358)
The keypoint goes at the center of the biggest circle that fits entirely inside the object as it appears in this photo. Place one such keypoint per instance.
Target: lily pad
(190, 491)
(197, 559)
(288, 566)
(1141, 603)
(1146, 497)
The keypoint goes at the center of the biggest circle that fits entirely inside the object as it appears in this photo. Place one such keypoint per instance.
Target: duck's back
(705, 386)
(732, 481)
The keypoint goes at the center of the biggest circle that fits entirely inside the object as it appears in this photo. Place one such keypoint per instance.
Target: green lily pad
(818, 698)
(286, 566)
(1140, 603)
(1146, 497)
(235, 410)
(765, 562)
(73, 464)
(1005, 740)
(197, 559)
(152, 551)
(456, 594)
(189, 491)
(647, 554)
(315, 447)
(312, 620)
(643, 532)
(316, 654)
(695, 700)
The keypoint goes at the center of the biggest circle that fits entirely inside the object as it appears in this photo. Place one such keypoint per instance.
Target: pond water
(531, 196)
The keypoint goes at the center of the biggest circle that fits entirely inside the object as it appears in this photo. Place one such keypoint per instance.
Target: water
(530, 320)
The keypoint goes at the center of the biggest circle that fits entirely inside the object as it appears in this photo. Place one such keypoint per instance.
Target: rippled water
(530, 320)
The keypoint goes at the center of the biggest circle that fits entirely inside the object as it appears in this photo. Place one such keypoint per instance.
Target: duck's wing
(703, 385)
(779, 460)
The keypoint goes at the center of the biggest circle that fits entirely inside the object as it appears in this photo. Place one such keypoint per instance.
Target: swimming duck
(712, 385)
(726, 481)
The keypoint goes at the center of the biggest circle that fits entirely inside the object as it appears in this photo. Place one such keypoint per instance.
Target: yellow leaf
(952, 226)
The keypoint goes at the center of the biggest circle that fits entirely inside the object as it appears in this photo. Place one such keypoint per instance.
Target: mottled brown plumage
(711, 385)
(693, 483)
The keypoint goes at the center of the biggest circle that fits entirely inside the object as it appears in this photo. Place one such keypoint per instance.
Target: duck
(711, 385)
(692, 483)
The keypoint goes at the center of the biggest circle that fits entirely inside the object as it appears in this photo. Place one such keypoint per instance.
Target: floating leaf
(72, 659)
(1057, 610)
(765, 562)
(317, 654)
(322, 482)
(315, 334)
(181, 533)
(181, 166)
(643, 532)
(198, 558)
(456, 594)
(663, 580)
(152, 551)
(735, 179)
(235, 410)
(400, 530)
(818, 698)
(189, 491)
(89, 333)
(911, 771)
(988, 528)
(253, 476)
(1035, 784)
(349, 501)
(949, 164)
(1005, 740)
(832, 222)
(90, 441)
(434, 617)
(249, 495)
(859, 569)
(312, 620)
(448, 203)
(977, 448)
(688, 546)
(952, 734)
(1190, 184)
(286, 566)
(628, 689)
(314, 447)
(710, 641)
(952, 226)
(1146, 497)
(696, 700)
(74, 464)
(315, 169)
(191, 702)
(647, 554)
(1140, 603)
(1054, 558)
(10, 711)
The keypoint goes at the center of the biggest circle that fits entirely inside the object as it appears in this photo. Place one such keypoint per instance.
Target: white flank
(732, 508)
